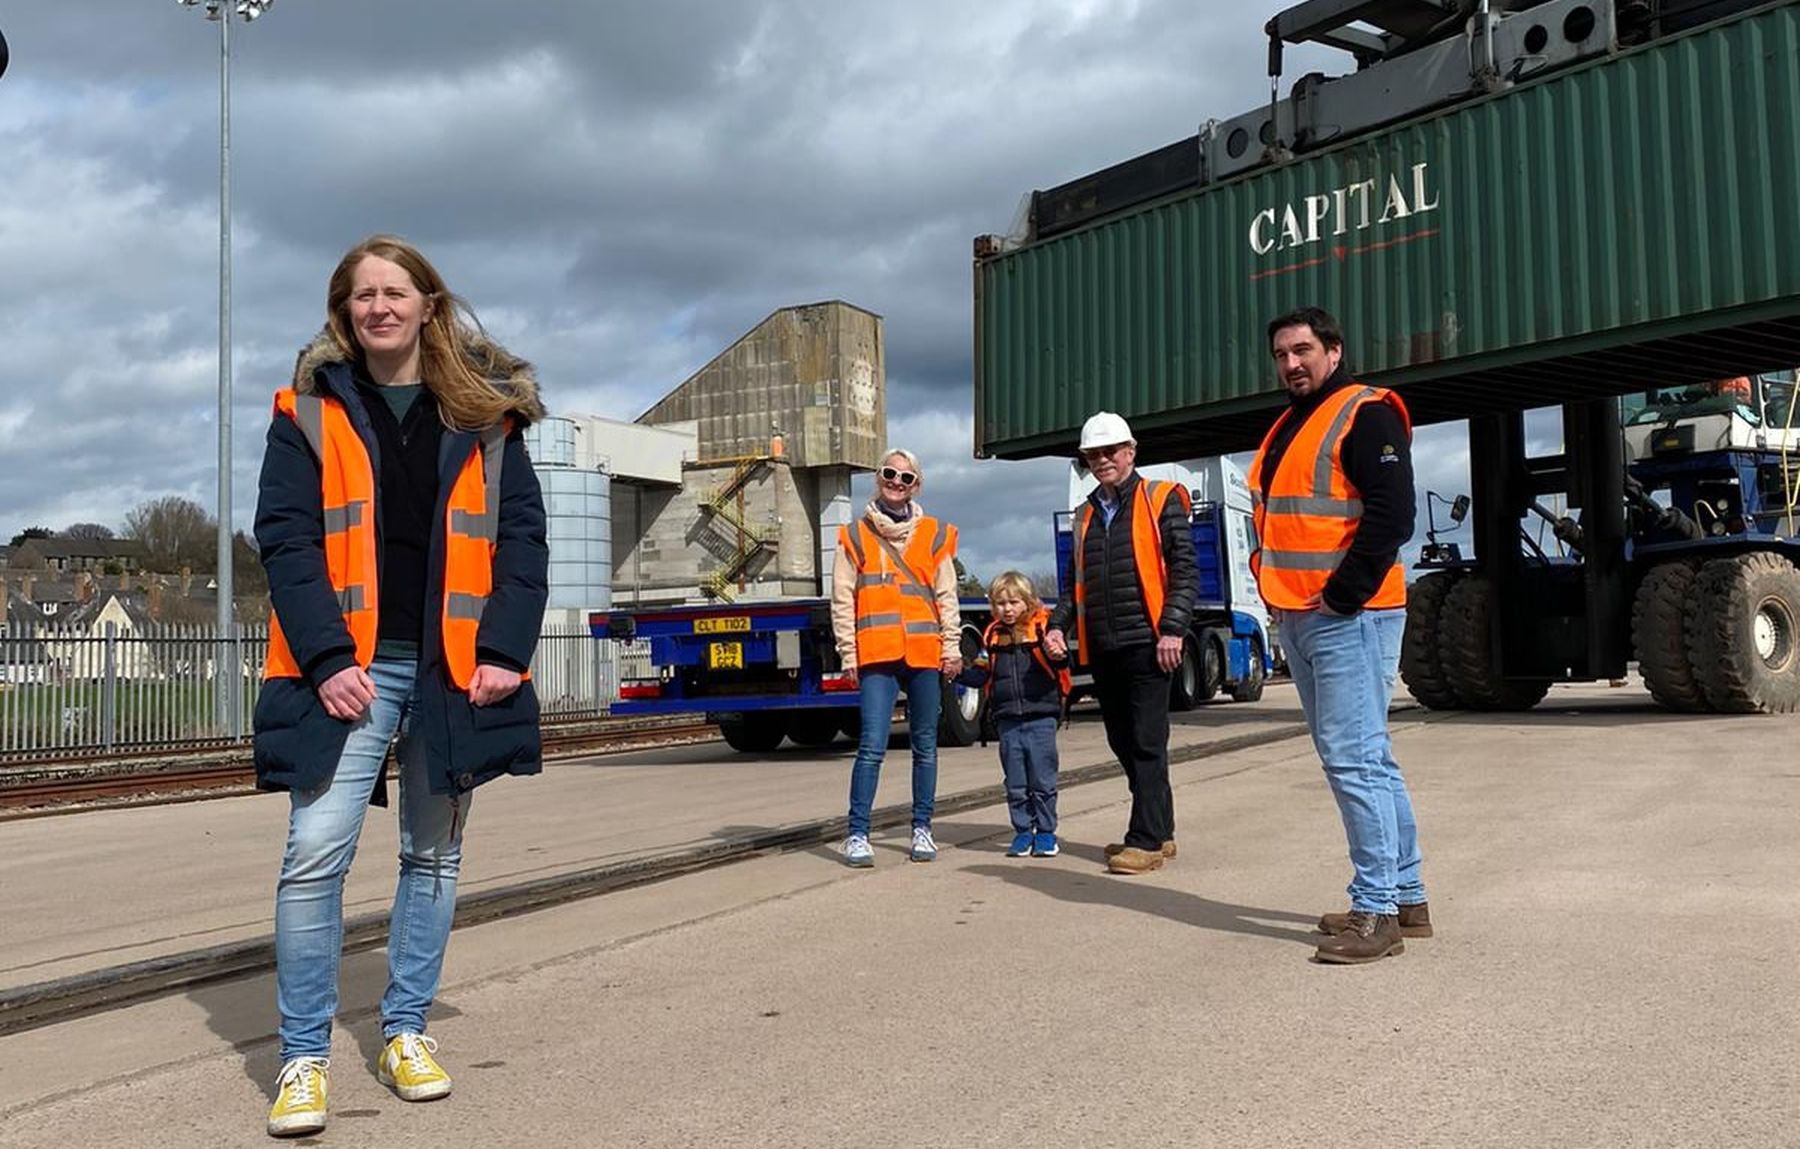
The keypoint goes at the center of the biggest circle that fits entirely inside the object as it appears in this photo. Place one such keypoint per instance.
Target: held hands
(347, 694)
(1055, 644)
(490, 684)
(1168, 653)
(951, 667)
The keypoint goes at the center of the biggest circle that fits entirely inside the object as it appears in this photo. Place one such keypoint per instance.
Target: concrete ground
(1612, 888)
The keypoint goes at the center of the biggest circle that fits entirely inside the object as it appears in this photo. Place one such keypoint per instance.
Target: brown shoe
(1365, 937)
(1415, 922)
(1132, 860)
(1114, 849)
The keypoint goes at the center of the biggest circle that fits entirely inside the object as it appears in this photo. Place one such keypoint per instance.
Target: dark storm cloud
(620, 190)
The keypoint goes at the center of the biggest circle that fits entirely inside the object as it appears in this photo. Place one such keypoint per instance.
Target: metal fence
(67, 692)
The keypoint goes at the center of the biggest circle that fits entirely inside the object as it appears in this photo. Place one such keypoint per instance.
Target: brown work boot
(1365, 937)
(1415, 921)
(1132, 860)
(1114, 849)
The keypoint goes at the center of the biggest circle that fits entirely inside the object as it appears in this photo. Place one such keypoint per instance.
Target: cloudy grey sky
(620, 190)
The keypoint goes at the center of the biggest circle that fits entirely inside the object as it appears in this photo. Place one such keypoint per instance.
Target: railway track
(65, 787)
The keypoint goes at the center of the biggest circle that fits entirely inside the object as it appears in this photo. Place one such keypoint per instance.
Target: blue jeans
(1028, 760)
(1345, 670)
(323, 827)
(878, 690)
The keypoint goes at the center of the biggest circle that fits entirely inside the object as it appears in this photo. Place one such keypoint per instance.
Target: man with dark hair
(1332, 485)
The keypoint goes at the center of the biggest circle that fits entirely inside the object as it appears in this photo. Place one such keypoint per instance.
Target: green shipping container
(1630, 222)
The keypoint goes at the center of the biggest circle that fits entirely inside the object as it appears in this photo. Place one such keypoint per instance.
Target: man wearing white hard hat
(1130, 602)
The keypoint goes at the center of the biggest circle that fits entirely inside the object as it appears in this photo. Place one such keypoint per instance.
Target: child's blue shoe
(1044, 846)
(1021, 844)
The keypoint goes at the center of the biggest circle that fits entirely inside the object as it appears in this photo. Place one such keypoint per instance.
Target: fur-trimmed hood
(519, 380)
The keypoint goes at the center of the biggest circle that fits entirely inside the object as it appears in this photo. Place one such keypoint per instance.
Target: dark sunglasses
(904, 478)
(1103, 452)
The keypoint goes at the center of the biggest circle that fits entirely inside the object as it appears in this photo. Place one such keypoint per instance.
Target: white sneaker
(858, 852)
(924, 847)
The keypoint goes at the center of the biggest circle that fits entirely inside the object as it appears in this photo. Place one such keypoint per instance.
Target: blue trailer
(768, 670)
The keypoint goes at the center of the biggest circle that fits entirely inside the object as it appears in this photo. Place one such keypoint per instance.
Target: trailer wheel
(814, 729)
(754, 731)
(1421, 650)
(1467, 650)
(1659, 639)
(960, 722)
(1742, 633)
(1251, 688)
(1184, 684)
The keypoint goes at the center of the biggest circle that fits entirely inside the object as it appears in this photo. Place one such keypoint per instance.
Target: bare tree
(176, 533)
(87, 531)
(1044, 582)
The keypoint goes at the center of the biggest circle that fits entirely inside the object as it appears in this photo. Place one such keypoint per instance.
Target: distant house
(69, 640)
(23, 658)
(67, 556)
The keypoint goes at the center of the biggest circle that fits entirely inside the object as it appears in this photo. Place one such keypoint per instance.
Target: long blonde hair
(457, 361)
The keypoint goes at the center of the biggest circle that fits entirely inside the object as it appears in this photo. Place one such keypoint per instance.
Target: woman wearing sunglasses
(895, 619)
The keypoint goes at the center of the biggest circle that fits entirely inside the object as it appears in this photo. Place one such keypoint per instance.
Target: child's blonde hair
(1013, 584)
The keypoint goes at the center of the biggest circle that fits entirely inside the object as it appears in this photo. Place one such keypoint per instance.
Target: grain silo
(578, 515)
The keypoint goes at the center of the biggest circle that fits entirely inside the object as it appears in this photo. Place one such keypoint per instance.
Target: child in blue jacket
(1026, 688)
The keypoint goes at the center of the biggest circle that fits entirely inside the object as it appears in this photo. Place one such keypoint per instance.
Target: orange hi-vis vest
(896, 610)
(1148, 499)
(347, 477)
(1033, 626)
(1309, 513)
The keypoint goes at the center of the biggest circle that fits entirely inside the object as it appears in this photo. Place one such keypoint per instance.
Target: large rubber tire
(1212, 667)
(1184, 684)
(1251, 688)
(815, 729)
(1659, 625)
(1742, 634)
(1466, 625)
(755, 731)
(960, 722)
(1421, 650)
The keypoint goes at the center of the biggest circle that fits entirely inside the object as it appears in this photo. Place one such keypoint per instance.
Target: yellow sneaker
(407, 1065)
(299, 1098)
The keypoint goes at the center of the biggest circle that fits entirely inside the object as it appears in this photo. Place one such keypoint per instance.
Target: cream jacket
(843, 587)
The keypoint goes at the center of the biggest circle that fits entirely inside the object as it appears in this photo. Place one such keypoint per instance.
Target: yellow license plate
(734, 625)
(724, 655)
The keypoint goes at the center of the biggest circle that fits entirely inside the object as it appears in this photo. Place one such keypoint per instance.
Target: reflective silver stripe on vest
(485, 526)
(937, 543)
(341, 519)
(854, 531)
(467, 607)
(922, 628)
(1314, 505)
(1302, 560)
(871, 620)
(1322, 467)
(917, 591)
(867, 580)
(353, 598)
(309, 412)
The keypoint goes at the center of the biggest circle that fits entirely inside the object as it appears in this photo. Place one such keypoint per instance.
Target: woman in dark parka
(402, 529)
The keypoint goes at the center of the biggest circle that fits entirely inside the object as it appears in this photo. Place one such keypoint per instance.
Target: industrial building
(733, 485)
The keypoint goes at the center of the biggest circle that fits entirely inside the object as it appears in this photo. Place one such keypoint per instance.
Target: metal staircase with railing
(743, 541)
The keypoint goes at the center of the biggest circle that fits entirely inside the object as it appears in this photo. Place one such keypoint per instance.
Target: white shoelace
(413, 1047)
(295, 1073)
(856, 844)
(922, 840)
